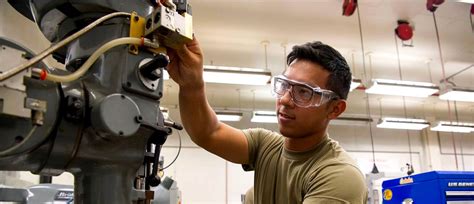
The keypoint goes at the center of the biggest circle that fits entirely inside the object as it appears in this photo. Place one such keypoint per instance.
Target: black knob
(150, 70)
(153, 180)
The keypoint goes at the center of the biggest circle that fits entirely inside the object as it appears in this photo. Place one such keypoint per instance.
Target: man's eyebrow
(313, 85)
(304, 83)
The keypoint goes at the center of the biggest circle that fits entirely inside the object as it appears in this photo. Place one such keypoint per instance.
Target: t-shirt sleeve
(338, 183)
(260, 141)
(253, 140)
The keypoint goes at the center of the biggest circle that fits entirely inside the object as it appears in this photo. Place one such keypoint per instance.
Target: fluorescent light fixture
(351, 121)
(236, 75)
(457, 94)
(402, 88)
(233, 75)
(444, 126)
(264, 117)
(403, 123)
(466, 1)
(229, 115)
(355, 83)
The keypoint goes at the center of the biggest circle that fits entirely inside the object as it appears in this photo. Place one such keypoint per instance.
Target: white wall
(205, 178)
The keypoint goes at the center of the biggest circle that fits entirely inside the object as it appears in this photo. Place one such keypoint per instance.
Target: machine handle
(149, 70)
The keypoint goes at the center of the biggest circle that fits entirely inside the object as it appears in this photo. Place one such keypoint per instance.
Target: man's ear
(336, 108)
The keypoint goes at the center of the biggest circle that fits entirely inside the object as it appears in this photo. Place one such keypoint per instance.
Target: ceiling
(231, 34)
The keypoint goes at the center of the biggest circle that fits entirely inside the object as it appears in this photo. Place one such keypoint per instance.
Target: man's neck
(304, 143)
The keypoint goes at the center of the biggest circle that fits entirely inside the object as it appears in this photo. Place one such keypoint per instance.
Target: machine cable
(443, 71)
(90, 61)
(375, 170)
(50, 50)
(153, 178)
(79, 133)
(177, 154)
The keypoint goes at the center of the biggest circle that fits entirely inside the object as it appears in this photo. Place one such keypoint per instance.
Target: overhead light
(229, 115)
(402, 88)
(355, 83)
(466, 1)
(233, 75)
(444, 126)
(264, 117)
(351, 121)
(403, 123)
(236, 75)
(456, 94)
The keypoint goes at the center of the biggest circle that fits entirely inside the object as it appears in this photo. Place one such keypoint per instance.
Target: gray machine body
(90, 126)
(50, 193)
(36, 194)
(13, 195)
(166, 193)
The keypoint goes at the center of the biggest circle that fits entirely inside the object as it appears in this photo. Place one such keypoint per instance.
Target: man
(303, 166)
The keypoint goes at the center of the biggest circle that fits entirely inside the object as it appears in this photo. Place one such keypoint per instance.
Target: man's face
(295, 121)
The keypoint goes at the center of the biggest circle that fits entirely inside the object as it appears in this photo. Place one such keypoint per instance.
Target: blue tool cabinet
(450, 187)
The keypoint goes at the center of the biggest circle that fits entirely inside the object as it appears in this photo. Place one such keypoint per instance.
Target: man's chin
(287, 132)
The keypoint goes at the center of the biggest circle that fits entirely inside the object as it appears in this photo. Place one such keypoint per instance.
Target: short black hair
(340, 76)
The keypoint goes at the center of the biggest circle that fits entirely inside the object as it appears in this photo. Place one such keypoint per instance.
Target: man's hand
(186, 67)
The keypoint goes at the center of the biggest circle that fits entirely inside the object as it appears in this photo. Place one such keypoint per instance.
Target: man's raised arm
(199, 120)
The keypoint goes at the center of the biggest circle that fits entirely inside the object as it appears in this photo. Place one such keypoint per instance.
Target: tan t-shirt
(324, 174)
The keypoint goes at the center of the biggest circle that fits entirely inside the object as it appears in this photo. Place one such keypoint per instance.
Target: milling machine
(100, 118)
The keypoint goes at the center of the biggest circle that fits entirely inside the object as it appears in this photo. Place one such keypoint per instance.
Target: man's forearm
(197, 116)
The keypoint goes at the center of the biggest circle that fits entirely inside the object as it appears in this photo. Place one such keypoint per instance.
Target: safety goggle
(303, 95)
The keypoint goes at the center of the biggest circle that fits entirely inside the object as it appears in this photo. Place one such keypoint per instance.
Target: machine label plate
(406, 180)
(460, 184)
(64, 195)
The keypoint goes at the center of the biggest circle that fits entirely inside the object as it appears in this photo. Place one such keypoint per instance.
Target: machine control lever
(173, 124)
(158, 129)
(154, 179)
(152, 69)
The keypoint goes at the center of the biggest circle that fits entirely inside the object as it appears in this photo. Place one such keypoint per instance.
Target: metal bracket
(38, 108)
(35, 104)
(137, 30)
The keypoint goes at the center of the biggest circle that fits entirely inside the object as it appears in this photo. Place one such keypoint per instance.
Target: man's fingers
(172, 56)
(184, 60)
(193, 46)
(184, 54)
(174, 61)
(190, 51)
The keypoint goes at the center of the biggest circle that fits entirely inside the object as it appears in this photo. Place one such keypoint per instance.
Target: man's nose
(286, 98)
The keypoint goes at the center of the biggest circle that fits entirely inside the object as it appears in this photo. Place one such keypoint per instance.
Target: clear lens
(301, 94)
(280, 86)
